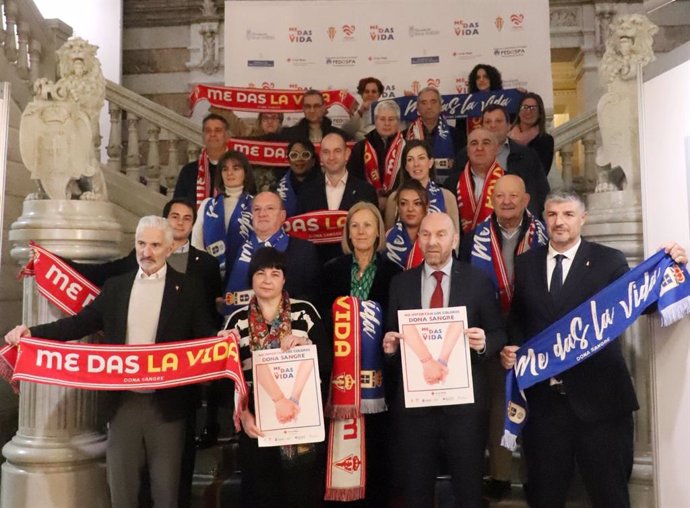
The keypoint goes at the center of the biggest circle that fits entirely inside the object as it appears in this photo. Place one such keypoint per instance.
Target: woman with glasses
(302, 158)
(529, 129)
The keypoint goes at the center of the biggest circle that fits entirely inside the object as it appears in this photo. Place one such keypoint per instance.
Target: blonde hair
(346, 244)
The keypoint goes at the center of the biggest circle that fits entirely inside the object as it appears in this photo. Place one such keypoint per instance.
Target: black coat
(186, 180)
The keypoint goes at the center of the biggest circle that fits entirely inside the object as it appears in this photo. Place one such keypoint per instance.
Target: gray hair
(431, 89)
(156, 222)
(390, 106)
(563, 196)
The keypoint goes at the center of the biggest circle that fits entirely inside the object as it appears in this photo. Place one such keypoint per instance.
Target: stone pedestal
(615, 219)
(57, 457)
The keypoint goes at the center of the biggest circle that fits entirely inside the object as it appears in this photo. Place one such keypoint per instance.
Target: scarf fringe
(675, 311)
(6, 372)
(373, 406)
(509, 440)
(343, 412)
(349, 494)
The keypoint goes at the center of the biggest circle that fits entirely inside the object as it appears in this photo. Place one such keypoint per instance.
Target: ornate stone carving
(629, 45)
(565, 17)
(59, 126)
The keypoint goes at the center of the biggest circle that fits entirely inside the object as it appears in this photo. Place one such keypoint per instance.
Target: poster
(287, 396)
(436, 364)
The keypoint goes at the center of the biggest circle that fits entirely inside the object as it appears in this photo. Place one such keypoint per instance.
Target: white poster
(407, 44)
(436, 363)
(287, 396)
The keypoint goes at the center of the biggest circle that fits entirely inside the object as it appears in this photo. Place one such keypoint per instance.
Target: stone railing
(138, 125)
(575, 142)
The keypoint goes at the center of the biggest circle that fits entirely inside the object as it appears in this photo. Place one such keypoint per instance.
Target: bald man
(492, 247)
(458, 431)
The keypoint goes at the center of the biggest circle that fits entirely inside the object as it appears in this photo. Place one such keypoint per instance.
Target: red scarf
(472, 212)
(391, 164)
(320, 226)
(203, 179)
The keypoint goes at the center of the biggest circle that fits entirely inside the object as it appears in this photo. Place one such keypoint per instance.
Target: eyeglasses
(295, 156)
(528, 107)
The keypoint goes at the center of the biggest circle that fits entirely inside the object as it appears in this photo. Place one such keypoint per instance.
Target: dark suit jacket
(599, 387)
(182, 317)
(468, 287)
(302, 270)
(523, 162)
(355, 164)
(186, 180)
(300, 131)
(200, 265)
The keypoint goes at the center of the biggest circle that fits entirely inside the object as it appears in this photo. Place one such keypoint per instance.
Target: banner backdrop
(407, 44)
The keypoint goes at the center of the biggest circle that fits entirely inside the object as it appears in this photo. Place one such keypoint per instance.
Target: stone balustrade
(575, 144)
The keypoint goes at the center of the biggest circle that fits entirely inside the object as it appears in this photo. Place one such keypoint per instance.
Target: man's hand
(476, 338)
(434, 372)
(508, 357)
(249, 424)
(677, 252)
(12, 337)
(391, 342)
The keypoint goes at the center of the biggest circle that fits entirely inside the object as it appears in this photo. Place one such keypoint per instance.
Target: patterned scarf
(263, 335)
(443, 141)
(436, 201)
(390, 167)
(360, 286)
(473, 211)
(203, 179)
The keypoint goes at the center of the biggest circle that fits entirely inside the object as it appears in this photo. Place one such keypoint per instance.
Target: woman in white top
(224, 221)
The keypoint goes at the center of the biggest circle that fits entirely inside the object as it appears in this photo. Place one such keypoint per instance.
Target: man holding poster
(442, 282)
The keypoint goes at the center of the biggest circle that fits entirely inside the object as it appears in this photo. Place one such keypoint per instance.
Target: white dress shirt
(566, 262)
(334, 193)
(429, 283)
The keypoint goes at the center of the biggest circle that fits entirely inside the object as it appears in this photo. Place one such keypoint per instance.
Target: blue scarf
(443, 141)
(371, 364)
(600, 320)
(398, 244)
(436, 201)
(237, 284)
(222, 244)
(287, 194)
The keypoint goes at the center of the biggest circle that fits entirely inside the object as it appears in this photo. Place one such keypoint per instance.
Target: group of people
(409, 241)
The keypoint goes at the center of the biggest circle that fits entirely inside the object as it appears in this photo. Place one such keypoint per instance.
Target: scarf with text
(238, 289)
(203, 179)
(437, 202)
(390, 166)
(472, 212)
(443, 141)
(319, 227)
(487, 254)
(259, 99)
(400, 248)
(221, 244)
(592, 326)
(287, 194)
(356, 390)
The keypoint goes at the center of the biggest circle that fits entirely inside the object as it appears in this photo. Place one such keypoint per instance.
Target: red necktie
(437, 295)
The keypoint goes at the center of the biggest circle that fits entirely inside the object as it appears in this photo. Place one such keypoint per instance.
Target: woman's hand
(290, 341)
(286, 410)
(12, 337)
(434, 372)
(249, 424)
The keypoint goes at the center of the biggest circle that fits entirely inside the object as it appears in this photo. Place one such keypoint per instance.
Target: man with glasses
(315, 125)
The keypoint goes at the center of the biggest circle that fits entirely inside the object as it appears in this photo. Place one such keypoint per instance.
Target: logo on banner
(299, 62)
(389, 92)
(331, 32)
(415, 31)
(511, 51)
(268, 86)
(341, 61)
(415, 87)
(381, 60)
(299, 35)
(498, 22)
(348, 30)
(295, 86)
(516, 20)
(433, 82)
(260, 63)
(464, 55)
(461, 84)
(463, 28)
(419, 60)
(263, 36)
(381, 33)
(349, 464)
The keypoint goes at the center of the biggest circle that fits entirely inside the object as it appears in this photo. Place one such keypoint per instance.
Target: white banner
(407, 44)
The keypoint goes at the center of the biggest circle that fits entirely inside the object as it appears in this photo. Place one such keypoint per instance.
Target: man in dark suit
(458, 431)
(181, 215)
(334, 189)
(314, 126)
(514, 158)
(584, 415)
(151, 305)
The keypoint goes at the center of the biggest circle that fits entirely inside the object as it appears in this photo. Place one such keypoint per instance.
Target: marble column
(57, 457)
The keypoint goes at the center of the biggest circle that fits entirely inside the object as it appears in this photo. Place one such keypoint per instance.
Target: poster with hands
(436, 365)
(287, 396)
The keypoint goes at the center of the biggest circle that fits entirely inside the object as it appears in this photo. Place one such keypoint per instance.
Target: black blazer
(302, 270)
(523, 162)
(599, 387)
(185, 187)
(200, 264)
(471, 288)
(182, 317)
(313, 196)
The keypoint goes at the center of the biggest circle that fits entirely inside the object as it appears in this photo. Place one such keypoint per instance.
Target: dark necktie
(437, 296)
(557, 276)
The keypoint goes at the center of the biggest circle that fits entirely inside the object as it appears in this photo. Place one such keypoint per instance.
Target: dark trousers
(270, 482)
(424, 438)
(554, 439)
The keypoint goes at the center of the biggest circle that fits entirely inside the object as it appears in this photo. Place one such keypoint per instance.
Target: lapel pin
(587, 263)
(177, 288)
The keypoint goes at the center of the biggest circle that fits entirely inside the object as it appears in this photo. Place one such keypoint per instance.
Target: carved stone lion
(629, 45)
(59, 127)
